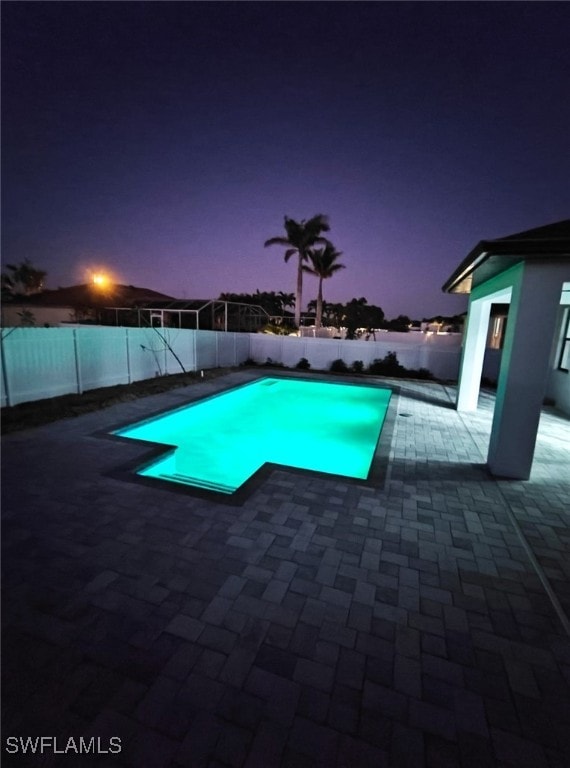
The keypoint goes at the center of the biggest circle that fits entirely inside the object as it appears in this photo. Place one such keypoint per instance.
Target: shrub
(423, 373)
(388, 366)
(249, 361)
(338, 366)
(303, 364)
(357, 366)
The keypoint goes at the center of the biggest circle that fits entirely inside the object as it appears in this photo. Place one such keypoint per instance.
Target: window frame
(565, 342)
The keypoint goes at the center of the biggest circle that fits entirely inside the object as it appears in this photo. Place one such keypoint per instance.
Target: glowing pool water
(219, 443)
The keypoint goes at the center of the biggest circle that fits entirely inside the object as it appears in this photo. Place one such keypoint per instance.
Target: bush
(422, 373)
(303, 364)
(338, 366)
(357, 366)
(249, 361)
(273, 363)
(388, 366)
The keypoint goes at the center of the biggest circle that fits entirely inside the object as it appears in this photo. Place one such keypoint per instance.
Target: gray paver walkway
(322, 623)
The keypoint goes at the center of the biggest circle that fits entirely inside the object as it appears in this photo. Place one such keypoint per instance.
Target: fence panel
(226, 349)
(145, 353)
(264, 346)
(443, 363)
(439, 354)
(320, 352)
(242, 347)
(179, 343)
(40, 363)
(102, 357)
(3, 392)
(206, 350)
(291, 350)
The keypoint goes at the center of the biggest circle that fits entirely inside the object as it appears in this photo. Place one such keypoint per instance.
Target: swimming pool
(217, 444)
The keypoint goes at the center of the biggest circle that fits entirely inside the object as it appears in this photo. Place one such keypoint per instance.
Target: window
(564, 362)
(497, 335)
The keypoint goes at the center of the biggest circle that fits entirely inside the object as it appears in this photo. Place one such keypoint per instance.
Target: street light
(100, 280)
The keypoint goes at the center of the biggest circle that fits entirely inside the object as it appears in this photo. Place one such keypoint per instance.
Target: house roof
(490, 257)
(87, 295)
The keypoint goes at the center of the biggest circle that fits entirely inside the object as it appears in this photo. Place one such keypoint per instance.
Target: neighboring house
(74, 304)
(441, 324)
(131, 306)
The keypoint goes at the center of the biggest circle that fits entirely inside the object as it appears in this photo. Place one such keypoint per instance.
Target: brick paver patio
(322, 623)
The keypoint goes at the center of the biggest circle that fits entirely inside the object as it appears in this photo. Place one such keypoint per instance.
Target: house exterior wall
(533, 290)
(559, 391)
(558, 388)
(42, 316)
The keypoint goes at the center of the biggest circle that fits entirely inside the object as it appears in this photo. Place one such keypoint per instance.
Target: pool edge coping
(127, 472)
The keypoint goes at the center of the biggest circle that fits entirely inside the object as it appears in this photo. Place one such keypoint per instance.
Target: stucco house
(76, 303)
(530, 271)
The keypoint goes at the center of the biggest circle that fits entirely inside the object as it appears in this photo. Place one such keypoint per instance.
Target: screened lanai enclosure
(196, 314)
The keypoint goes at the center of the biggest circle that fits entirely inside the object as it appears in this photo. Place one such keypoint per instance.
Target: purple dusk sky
(165, 142)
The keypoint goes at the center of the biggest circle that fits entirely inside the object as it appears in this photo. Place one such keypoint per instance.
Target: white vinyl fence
(439, 354)
(38, 363)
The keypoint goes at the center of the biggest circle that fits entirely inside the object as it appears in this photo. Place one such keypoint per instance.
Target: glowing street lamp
(100, 280)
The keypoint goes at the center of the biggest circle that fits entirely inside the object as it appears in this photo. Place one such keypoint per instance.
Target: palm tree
(300, 237)
(323, 265)
(22, 279)
(287, 300)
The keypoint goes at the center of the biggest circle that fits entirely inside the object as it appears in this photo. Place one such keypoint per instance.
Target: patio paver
(323, 622)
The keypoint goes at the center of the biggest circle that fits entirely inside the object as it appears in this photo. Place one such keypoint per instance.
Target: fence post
(77, 363)
(165, 349)
(129, 380)
(5, 372)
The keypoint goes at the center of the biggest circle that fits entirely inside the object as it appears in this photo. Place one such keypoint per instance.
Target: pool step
(198, 482)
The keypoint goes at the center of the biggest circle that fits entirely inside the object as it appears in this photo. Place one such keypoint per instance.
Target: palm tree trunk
(299, 294)
(319, 318)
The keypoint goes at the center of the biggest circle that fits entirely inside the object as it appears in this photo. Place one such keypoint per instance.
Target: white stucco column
(472, 354)
(474, 343)
(536, 289)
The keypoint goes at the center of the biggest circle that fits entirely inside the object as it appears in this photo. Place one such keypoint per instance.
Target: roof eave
(460, 280)
(464, 271)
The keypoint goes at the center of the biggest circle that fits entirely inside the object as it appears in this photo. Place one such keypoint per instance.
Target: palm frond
(324, 260)
(276, 241)
(290, 252)
(318, 224)
(323, 241)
